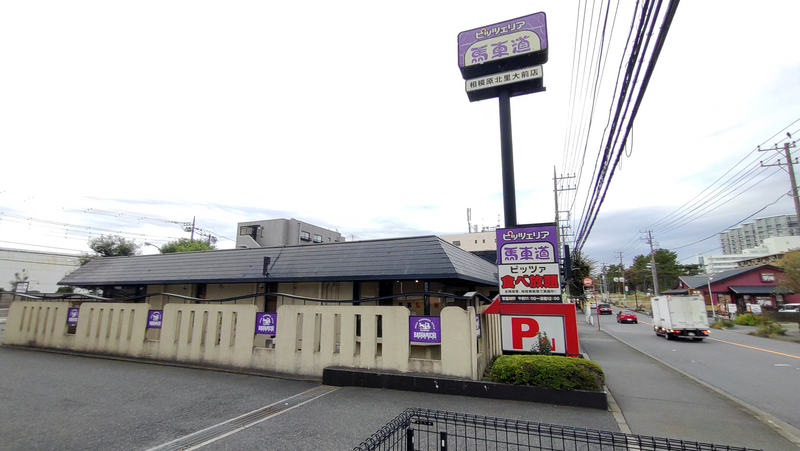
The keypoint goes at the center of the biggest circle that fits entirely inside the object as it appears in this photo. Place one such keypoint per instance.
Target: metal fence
(432, 430)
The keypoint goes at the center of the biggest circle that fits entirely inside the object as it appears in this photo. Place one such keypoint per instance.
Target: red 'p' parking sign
(519, 332)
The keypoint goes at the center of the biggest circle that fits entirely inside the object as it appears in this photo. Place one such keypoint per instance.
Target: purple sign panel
(72, 316)
(425, 329)
(528, 269)
(154, 318)
(503, 46)
(266, 323)
(531, 244)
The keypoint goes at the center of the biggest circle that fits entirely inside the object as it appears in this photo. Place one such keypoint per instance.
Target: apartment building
(752, 234)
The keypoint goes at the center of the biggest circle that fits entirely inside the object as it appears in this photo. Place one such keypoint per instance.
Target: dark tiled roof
(759, 289)
(426, 257)
(700, 280)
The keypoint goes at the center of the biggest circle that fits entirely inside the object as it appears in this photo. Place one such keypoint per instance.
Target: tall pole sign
(504, 60)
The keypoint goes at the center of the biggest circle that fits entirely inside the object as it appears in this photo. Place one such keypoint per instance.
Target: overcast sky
(119, 117)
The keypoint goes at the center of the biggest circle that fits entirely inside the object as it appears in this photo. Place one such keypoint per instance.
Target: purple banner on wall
(266, 323)
(72, 316)
(154, 318)
(425, 329)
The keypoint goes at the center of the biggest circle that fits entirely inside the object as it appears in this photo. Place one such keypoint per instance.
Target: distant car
(790, 308)
(627, 317)
(604, 309)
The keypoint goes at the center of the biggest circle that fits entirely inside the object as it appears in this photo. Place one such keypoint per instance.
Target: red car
(627, 317)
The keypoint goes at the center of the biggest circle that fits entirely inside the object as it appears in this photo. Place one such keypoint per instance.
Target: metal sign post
(504, 60)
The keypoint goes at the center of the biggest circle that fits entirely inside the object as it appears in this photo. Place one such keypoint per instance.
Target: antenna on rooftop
(469, 220)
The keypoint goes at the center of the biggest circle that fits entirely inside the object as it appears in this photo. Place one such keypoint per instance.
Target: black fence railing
(83, 297)
(432, 430)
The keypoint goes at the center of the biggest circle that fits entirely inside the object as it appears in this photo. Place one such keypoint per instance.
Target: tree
(110, 246)
(581, 267)
(18, 277)
(186, 245)
(667, 268)
(790, 265)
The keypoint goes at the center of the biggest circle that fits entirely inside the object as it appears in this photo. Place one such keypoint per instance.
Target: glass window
(317, 238)
(305, 236)
(457, 243)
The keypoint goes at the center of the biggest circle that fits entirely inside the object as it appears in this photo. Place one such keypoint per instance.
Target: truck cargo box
(680, 316)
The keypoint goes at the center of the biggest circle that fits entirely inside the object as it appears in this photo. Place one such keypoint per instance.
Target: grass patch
(563, 373)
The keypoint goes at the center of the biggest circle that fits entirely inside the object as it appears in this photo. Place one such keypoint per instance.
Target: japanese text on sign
(536, 235)
(504, 78)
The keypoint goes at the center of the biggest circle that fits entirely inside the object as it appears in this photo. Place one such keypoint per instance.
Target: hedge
(564, 373)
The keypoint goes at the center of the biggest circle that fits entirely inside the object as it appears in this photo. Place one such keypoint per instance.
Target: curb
(146, 361)
(786, 430)
(355, 377)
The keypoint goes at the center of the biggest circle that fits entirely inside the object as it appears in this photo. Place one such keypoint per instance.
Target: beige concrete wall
(216, 334)
(459, 343)
(228, 290)
(111, 328)
(38, 324)
(309, 337)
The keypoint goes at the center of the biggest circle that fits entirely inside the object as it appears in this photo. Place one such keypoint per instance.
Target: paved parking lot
(57, 401)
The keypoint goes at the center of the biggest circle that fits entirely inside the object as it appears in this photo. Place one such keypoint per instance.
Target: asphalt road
(66, 402)
(759, 371)
(658, 401)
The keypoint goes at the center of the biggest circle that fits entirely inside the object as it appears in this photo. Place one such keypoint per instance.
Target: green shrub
(768, 329)
(565, 373)
(747, 319)
(722, 323)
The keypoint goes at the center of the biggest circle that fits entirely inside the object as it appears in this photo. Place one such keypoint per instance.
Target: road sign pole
(507, 158)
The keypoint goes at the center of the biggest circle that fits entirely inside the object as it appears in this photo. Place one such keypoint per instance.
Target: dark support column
(426, 286)
(507, 158)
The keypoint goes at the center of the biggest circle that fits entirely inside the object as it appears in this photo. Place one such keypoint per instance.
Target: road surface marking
(744, 346)
(242, 422)
(753, 347)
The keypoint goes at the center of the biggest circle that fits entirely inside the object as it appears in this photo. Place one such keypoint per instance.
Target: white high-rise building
(751, 235)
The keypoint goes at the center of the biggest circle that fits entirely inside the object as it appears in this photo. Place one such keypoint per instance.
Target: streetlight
(711, 297)
(146, 243)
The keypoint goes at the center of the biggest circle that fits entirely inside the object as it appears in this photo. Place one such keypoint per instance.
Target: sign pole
(507, 158)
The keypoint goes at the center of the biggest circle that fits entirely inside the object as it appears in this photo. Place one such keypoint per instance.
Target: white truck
(680, 316)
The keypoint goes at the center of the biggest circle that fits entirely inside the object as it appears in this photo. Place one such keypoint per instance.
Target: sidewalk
(657, 400)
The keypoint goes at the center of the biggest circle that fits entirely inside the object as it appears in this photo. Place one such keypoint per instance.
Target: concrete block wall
(111, 328)
(38, 324)
(308, 339)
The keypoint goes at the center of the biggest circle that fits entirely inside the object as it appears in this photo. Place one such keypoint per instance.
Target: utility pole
(790, 170)
(652, 260)
(561, 238)
(622, 277)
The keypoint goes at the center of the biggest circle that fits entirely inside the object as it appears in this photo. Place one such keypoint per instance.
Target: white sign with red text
(519, 332)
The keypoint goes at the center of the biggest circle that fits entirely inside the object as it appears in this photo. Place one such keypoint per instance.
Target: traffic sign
(587, 281)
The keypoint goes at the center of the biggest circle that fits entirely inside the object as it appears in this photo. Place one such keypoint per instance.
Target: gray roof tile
(426, 257)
